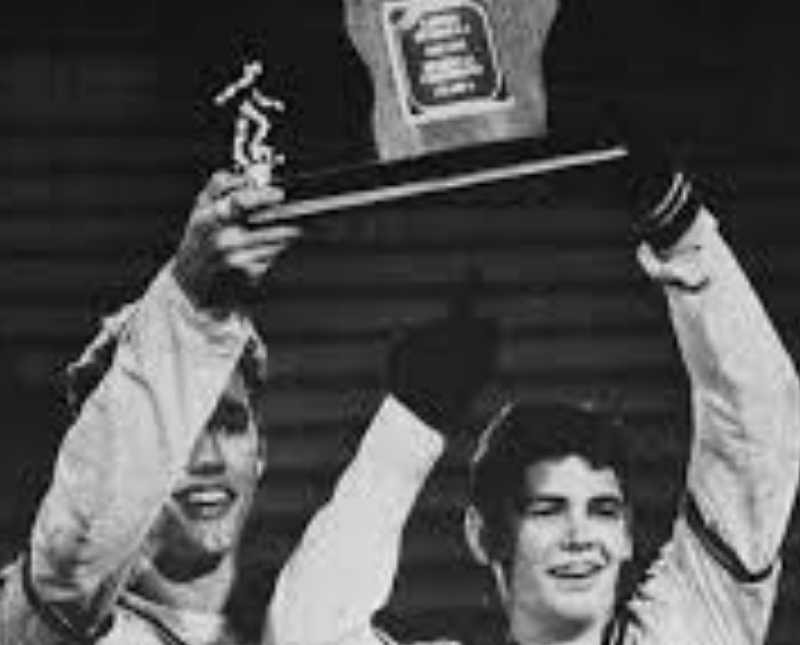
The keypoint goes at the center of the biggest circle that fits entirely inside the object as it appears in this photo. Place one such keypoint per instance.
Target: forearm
(344, 567)
(131, 439)
(746, 407)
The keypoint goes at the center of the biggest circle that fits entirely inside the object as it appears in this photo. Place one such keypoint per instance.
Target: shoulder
(689, 595)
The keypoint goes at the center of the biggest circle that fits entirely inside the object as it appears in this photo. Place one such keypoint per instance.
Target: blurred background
(105, 136)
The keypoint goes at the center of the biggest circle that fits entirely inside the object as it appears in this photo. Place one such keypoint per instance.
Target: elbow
(778, 384)
(768, 408)
(776, 432)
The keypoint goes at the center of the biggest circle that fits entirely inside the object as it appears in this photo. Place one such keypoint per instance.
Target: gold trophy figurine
(250, 152)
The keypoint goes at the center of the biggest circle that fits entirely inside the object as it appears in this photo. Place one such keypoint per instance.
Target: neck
(207, 591)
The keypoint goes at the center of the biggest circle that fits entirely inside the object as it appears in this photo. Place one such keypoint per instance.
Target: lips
(578, 570)
(205, 501)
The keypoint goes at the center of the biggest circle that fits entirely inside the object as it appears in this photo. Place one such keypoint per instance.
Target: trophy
(459, 100)
(251, 154)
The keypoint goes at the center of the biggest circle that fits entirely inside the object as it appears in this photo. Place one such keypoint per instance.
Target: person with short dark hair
(550, 515)
(550, 511)
(550, 501)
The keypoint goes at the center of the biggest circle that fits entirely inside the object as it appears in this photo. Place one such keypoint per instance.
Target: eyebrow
(616, 503)
(604, 498)
(527, 502)
(608, 498)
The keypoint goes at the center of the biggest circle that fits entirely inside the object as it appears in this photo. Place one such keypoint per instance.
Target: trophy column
(451, 73)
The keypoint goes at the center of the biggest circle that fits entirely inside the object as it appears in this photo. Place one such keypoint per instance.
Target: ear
(475, 532)
(261, 457)
(628, 552)
(475, 535)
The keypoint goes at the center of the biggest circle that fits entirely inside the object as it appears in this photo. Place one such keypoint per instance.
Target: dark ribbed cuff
(663, 224)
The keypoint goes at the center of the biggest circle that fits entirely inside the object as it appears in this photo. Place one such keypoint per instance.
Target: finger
(272, 235)
(256, 256)
(223, 182)
(224, 209)
(235, 238)
(255, 263)
(220, 184)
(212, 213)
(251, 199)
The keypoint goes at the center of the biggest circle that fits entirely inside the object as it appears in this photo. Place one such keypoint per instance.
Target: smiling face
(572, 536)
(203, 518)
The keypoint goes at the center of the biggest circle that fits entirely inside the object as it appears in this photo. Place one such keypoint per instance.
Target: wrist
(197, 290)
(407, 424)
(663, 221)
(195, 293)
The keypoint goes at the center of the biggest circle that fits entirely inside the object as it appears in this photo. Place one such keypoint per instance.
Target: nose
(206, 457)
(577, 535)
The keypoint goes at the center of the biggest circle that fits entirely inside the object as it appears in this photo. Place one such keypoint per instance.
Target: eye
(543, 507)
(231, 418)
(612, 508)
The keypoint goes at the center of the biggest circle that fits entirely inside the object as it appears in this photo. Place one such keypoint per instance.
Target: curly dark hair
(523, 434)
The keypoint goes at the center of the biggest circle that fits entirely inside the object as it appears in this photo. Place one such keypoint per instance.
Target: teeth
(577, 570)
(208, 496)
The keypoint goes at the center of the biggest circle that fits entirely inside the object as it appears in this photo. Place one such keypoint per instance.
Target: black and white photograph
(399, 322)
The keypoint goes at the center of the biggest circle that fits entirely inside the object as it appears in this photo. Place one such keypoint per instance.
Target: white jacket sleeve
(718, 572)
(118, 461)
(344, 567)
(745, 455)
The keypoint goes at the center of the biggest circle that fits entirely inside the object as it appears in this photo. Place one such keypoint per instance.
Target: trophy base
(345, 188)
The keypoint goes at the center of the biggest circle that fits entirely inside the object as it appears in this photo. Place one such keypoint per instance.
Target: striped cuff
(663, 224)
(719, 549)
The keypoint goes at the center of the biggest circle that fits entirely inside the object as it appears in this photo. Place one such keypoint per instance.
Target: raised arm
(716, 579)
(344, 568)
(167, 363)
(745, 456)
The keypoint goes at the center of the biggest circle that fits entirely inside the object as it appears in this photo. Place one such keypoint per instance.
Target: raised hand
(438, 368)
(663, 194)
(221, 250)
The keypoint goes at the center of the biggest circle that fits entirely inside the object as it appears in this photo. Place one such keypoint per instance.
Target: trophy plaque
(459, 100)
(450, 73)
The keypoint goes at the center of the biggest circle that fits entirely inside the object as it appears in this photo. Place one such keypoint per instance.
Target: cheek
(536, 543)
(624, 548)
(535, 548)
(242, 457)
(616, 539)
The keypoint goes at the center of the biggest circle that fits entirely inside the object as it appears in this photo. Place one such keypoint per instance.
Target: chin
(583, 608)
(214, 537)
(208, 542)
(191, 538)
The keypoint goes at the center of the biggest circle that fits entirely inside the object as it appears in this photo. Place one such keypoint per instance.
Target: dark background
(104, 139)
